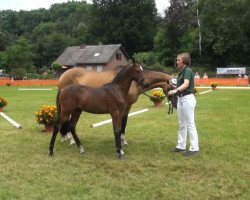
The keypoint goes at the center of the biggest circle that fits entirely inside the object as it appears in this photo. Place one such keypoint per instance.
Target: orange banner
(200, 81)
(27, 82)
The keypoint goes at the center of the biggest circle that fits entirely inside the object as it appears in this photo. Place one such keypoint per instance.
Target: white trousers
(185, 111)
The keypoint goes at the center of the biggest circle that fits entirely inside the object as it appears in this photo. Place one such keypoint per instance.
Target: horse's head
(169, 85)
(139, 75)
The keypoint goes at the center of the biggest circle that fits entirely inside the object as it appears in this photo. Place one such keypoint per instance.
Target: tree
(146, 58)
(20, 56)
(56, 66)
(131, 23)
(224, 39)
(180, 18)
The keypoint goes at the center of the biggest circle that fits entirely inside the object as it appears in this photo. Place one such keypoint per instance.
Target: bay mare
(97, 79)
(111, 98)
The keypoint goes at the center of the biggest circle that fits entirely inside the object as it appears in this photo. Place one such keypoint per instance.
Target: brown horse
(111, 98)
(97, 79)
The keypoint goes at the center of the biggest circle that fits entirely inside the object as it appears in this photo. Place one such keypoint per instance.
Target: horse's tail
(65, 127)
(58, 104)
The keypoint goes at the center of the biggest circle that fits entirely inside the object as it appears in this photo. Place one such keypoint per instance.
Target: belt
(184, 93)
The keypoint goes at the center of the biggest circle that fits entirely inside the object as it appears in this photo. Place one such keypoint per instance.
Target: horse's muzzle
(143, 83)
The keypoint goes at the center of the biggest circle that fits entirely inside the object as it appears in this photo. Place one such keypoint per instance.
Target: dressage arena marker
(110, 120)
(10, 120)
(34, 89)
(205, 92)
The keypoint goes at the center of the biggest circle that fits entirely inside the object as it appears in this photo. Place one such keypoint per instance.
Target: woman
(185, 106)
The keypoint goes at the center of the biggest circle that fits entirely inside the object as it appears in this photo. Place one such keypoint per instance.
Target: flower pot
(158, 104)
(1, 109)
(48, 128)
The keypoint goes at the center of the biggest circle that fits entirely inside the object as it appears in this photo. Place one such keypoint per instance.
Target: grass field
(149, 171)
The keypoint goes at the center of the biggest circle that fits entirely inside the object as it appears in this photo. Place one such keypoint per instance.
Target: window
(118, 56)
(97, 54)
(89, 68)
(99, 68)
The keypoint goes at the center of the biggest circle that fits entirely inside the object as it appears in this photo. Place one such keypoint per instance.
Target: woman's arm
(180, 88)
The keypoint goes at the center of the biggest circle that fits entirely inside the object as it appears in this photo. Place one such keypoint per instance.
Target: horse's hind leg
(117, 133)
(53, 139)
(66, 134)
(64, 130)
(74, 119)
(169, 107)
(123, 127)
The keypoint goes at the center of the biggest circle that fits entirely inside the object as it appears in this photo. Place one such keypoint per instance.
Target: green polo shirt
(186, 73)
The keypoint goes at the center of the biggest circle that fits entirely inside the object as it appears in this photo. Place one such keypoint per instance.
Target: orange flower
(47, 114)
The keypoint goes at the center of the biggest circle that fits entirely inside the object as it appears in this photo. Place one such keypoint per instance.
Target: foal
(111, 98)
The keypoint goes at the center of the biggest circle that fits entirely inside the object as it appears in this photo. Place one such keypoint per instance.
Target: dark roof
(86, 54)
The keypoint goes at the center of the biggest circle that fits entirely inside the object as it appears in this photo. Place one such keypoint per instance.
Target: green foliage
(3, 60)
(224, 39)
(131, 23)
(180, 17)
(149, 171)
(18, 73)
(56, 66)
(147, 58)
(19, 55)
(189, 42)
(225, 31)
(161, 48)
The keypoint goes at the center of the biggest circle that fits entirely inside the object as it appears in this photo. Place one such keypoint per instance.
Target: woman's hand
(172, 92)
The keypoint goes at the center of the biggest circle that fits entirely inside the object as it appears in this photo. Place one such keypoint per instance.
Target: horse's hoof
(124, 143)
(63, 139)
(51, 155)
(121, 154)
(72, 142)
(81, 150)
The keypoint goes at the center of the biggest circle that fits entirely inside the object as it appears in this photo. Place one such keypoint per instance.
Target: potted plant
(3, 103)
(195, 90)
(157, 97)
(213, 85)
(47, 115)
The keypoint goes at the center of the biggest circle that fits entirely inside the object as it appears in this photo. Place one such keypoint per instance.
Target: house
(2, 73)
(94, 57)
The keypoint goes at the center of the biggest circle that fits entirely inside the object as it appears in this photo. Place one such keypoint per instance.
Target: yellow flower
(214, 84)
(195, 90)
(3, 102)
(157, 95)
(47, 114)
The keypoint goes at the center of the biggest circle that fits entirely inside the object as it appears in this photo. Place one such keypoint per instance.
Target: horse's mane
(117, 76)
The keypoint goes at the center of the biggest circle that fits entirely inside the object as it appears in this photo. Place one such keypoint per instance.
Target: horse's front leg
(169, 107)
(117, 133)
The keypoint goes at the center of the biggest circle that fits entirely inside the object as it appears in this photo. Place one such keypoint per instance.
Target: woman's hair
(186, 59)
